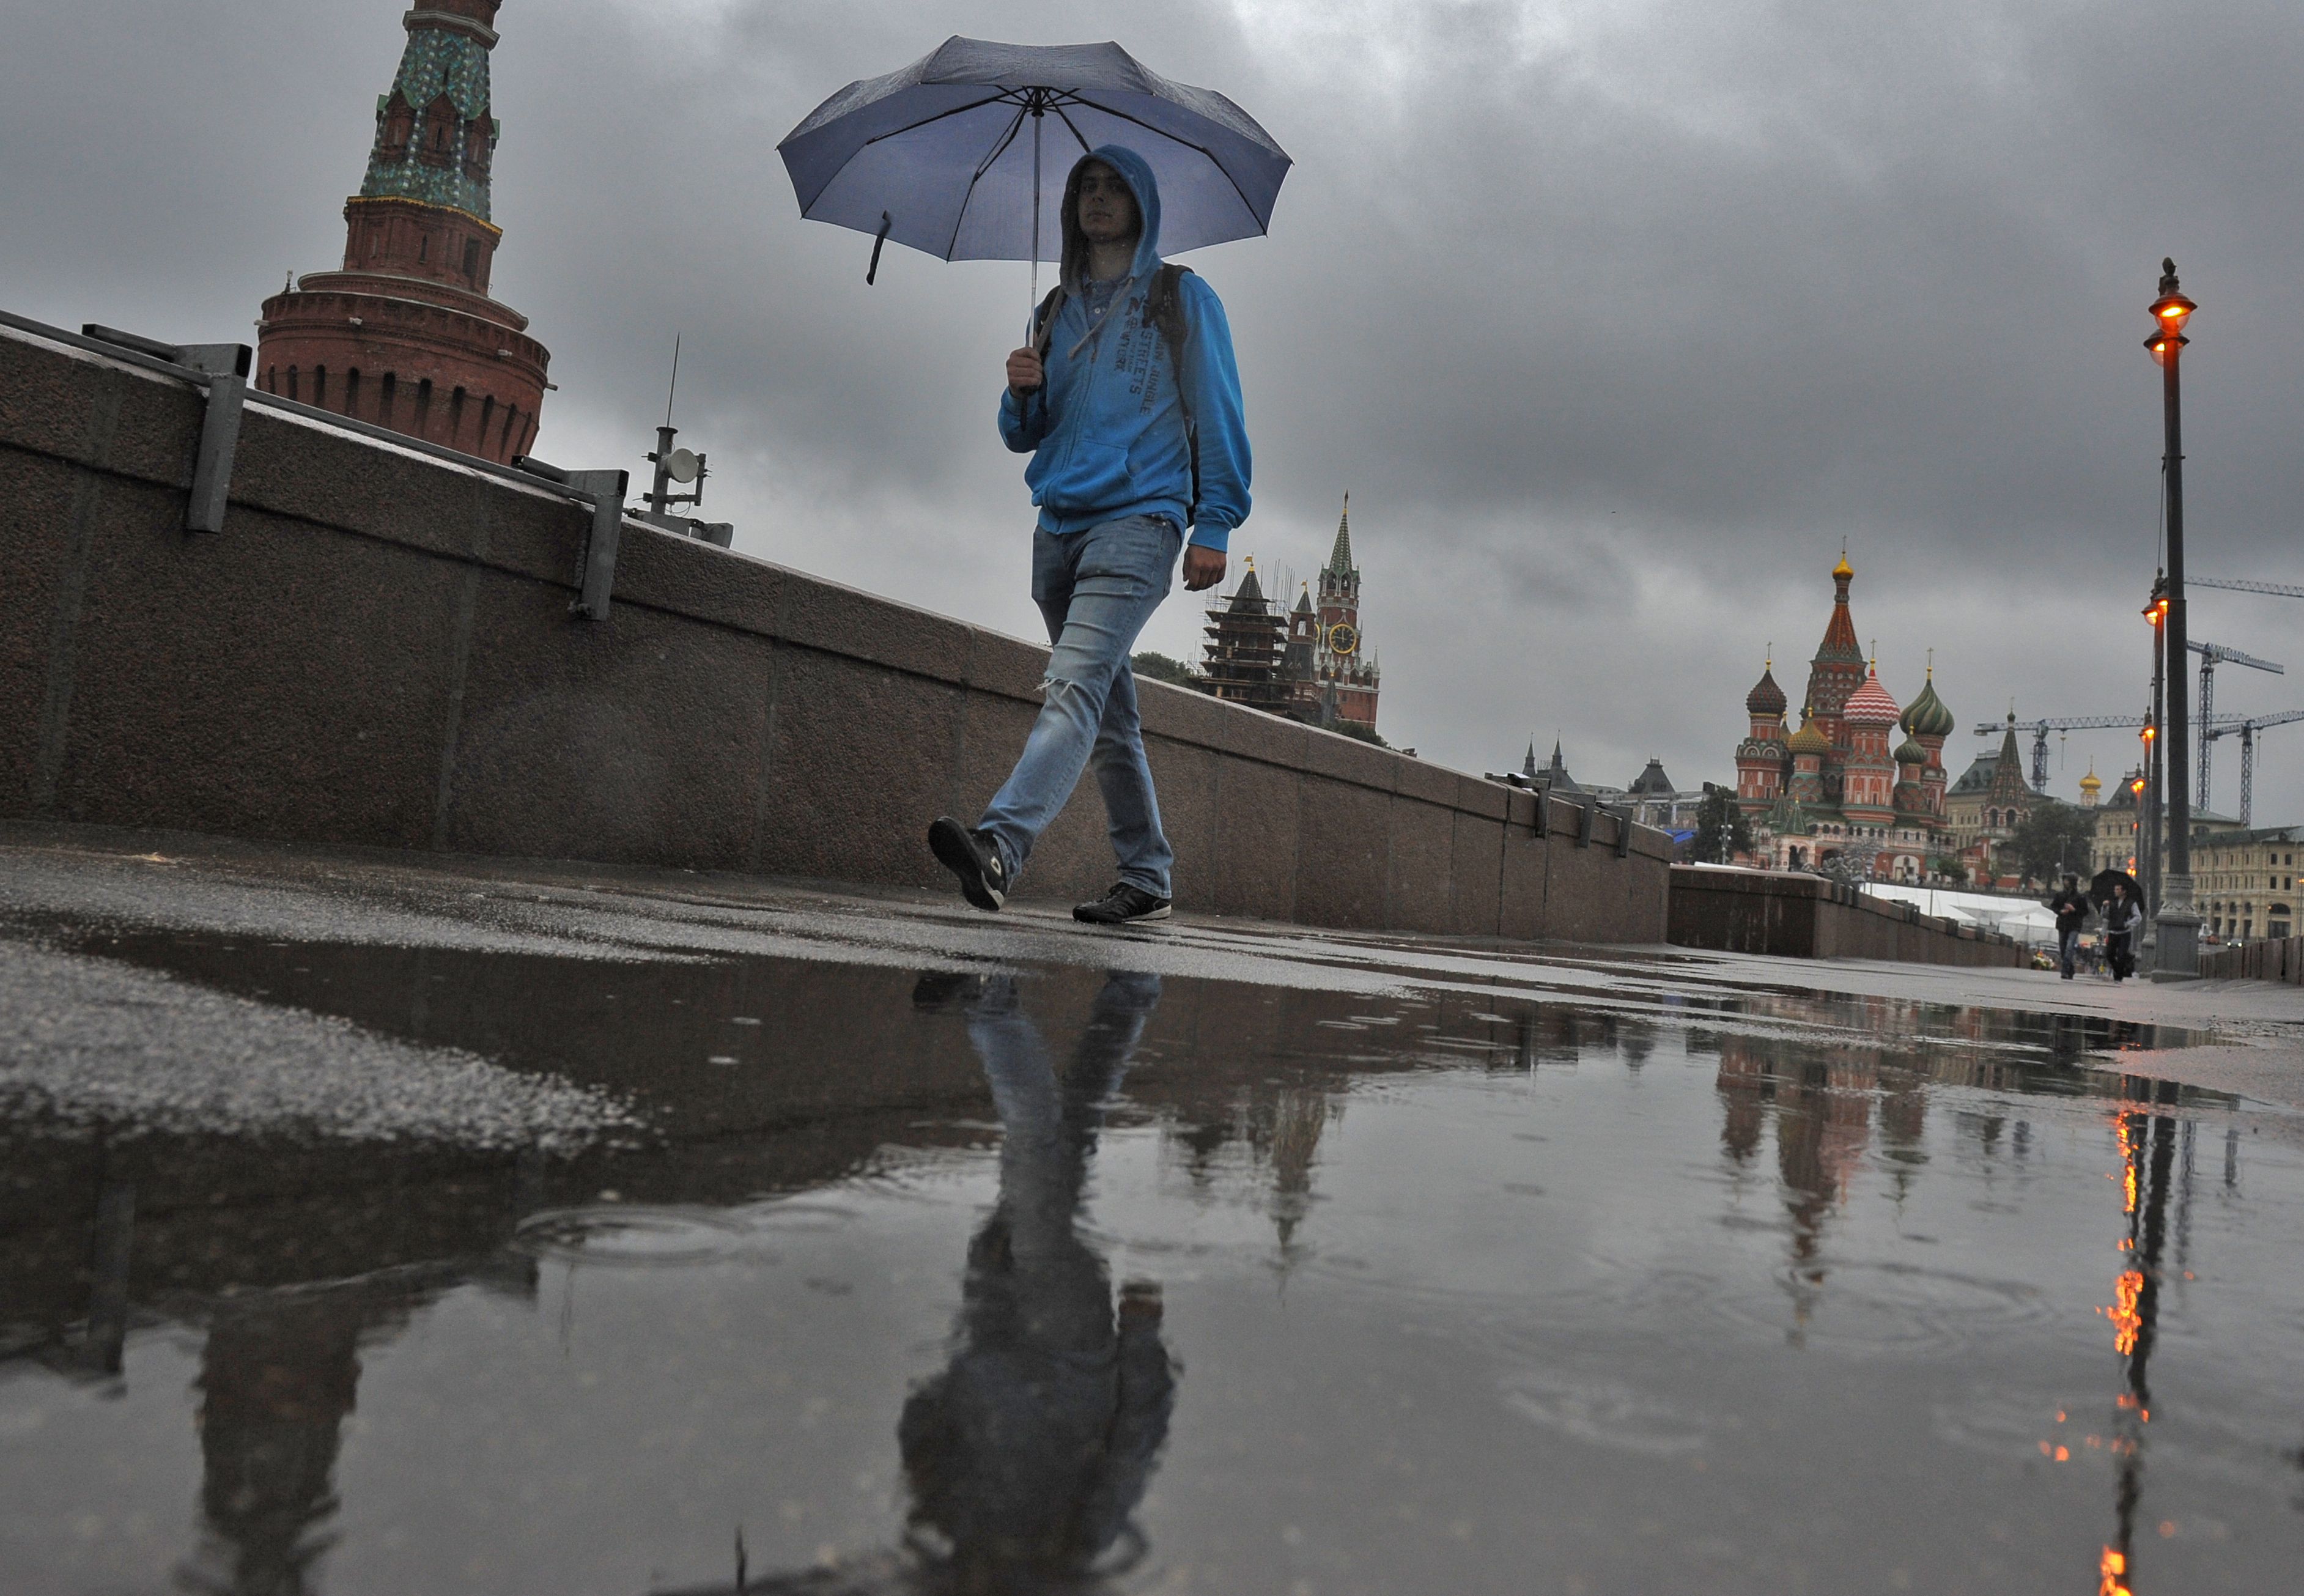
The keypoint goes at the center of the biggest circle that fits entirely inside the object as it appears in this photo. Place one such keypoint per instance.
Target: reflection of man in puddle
(1027, 1453)
(277, 1379)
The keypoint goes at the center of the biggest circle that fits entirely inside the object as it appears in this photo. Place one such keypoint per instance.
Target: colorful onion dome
(1766, 697)
(1909, 752)
(1870, 705)
(1928, 717)
(1811, 737)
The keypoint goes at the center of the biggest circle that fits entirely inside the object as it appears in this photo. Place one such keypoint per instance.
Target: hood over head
(1137, 173)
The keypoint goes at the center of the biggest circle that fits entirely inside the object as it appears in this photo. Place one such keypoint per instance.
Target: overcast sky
(1615, 319)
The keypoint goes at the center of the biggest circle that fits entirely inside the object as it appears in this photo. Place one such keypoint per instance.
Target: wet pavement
(370, 1226)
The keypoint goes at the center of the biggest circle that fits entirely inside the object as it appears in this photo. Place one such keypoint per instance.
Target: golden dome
(1842, 570)
(2091, 783)
(1811, 737)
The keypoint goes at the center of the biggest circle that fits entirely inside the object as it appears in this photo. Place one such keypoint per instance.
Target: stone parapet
(1809, 917)
(378, 649)
(2275, 958)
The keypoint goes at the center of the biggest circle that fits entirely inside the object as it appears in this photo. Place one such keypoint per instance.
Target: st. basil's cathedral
(1836, 787)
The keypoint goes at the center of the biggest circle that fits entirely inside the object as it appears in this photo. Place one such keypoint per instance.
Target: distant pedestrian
(1128, 399)
(2071, 908)
(2122, 916)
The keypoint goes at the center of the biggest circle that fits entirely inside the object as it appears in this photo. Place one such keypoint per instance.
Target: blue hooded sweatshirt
(1107, 431)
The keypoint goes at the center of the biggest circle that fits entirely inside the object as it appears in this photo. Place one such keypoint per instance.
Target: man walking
(2122, 916)
(1128, 399)
(2071, 908)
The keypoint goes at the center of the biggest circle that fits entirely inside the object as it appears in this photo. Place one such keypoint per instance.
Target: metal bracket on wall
(1623, 832)
(224, 366)
(596, 572)
(1584, 821)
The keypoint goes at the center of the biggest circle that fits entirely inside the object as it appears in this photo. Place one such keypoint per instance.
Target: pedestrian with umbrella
(2123, 912)
(1125, 394)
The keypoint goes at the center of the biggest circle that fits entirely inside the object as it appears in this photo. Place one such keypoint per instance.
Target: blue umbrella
(939, 155)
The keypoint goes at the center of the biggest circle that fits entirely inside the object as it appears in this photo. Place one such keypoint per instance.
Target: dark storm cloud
(1615, 319)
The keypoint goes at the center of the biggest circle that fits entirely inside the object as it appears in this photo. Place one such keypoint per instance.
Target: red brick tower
(405, 335)
(1341, 664)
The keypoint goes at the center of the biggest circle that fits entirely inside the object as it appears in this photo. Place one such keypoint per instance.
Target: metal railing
(222, 369)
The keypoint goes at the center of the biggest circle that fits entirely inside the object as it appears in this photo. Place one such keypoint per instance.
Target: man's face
(1107, 210)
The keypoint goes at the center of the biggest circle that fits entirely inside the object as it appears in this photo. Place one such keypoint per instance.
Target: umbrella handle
(878, 238)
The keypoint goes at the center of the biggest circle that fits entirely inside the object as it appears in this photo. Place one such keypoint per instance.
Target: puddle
(953, 1279)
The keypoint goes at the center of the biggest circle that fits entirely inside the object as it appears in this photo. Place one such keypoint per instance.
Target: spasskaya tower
(405, 335)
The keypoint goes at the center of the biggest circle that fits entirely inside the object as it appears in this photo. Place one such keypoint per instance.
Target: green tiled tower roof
(436, 139)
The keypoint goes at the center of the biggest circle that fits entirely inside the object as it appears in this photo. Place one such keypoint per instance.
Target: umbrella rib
(982, 166)
(1073, 128)
(1246, 203)
(989, 99)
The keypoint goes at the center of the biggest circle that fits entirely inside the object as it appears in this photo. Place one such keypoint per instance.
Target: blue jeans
(1096, 589)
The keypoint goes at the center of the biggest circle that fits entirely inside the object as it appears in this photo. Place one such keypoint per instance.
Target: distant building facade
(2245, 881)
(1651, 798)
(405, 334)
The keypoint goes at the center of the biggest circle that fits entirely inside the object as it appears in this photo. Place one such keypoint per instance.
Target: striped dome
(1928, 717)
(1870, 705)
(1909, 752)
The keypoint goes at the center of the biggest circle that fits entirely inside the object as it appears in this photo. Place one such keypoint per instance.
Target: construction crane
(2074, 723)
(2278, 590)
(2212, 654)
(2247, 730)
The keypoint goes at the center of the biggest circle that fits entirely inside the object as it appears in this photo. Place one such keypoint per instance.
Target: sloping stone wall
(378, 649)
(1808, 917)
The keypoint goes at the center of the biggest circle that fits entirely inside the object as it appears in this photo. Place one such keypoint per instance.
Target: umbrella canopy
(946, 154)
(2100, 886)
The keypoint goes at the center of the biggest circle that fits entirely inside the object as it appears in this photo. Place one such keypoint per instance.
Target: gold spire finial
(1932, 665)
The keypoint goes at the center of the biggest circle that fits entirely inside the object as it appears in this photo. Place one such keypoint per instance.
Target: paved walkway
(2245, 1037)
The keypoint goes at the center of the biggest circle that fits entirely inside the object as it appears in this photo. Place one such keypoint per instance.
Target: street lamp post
(2179, 953)
(2150, 829)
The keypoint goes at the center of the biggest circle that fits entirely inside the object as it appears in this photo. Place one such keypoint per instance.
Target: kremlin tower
(1341, 666)
(405, 335)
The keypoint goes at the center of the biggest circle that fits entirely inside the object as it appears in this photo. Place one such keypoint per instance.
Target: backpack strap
(1164, 311)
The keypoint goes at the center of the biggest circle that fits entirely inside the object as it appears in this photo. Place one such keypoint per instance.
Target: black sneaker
(1122, 905)
(975, 858)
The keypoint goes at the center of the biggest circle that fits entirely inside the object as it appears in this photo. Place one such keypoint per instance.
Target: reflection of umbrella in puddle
(935, 155)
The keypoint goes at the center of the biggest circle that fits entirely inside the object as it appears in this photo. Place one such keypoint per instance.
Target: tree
(2054, 838)
(1721, 832)
(1159, 667)
(1354, 728)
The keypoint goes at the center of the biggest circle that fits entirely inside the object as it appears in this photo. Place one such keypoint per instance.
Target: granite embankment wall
(1808, 917)
(2278, 958)
(377, 649)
